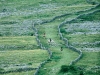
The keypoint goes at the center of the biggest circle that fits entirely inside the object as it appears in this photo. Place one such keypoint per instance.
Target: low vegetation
(84, 35)
(18, 43)
(77, 21)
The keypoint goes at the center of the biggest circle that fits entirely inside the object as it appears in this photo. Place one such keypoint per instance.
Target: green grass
(12, 60)
(57, 60)
(83, 38)
(28, 54)
(21, 73)
(90, 59)
(81, 34)
(59, 57)
(18, 42)
(92, 17)
(18, 46)
(18, 17)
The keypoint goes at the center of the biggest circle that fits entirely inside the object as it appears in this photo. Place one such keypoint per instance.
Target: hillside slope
(49, 37)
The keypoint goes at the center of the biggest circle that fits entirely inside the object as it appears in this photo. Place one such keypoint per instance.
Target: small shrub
(93, 3)
(56, 58)
(62, 31)
(49, 60)
(29, 63)
(31, 34)
(1, 69)
(81, 73)
(64, 68)
(4, 10)
(1, 35)
(98, 45)
(72, 68)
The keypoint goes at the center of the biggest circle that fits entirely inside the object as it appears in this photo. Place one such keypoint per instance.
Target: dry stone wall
(42, 47)
(61, 36)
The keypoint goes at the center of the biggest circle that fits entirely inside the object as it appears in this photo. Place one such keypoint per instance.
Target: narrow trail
(59, 58)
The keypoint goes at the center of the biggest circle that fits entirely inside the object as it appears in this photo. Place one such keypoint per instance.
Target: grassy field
(18, 43)
(20, 61)
(85, 36)
(16, 17)
(59, 57)
(21, 73)
(18, 54)
(19, 51)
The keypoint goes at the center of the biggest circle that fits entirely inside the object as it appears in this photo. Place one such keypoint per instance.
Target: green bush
(81, 73)
(72, 68)
(49, 60)
(62, 31)
(1, 69)
(0, 34)
(65, 68)
(30, 63)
